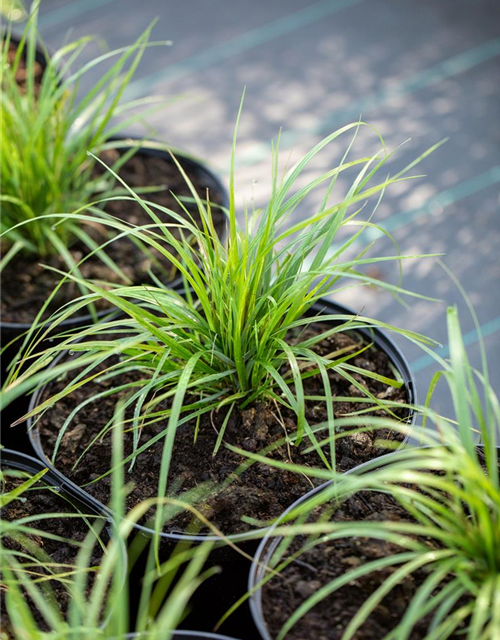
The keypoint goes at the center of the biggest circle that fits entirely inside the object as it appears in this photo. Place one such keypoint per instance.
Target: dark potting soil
(22, 72)
(261, 492)
(328, 620)
(26, 284)
(40, 499)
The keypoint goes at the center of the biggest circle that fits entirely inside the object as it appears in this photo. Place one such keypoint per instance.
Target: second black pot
(224, 589)
(269, 544)
(380, 340)
(16, 460)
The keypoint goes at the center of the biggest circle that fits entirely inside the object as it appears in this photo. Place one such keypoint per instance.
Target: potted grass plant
(45, 524)
(55, 580)
(252, 356)
(48, 127)
(404, 547)
(63, 577)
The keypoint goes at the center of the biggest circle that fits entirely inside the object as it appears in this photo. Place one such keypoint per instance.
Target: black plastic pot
(40, 56)
(14, 330)
(17, 460)
(6, 334)
(375, 335)
(269, 544)
(222, 590)
(79, 499)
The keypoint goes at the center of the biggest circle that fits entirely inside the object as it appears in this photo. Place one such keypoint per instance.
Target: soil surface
(38, 500)
(26, 284)
(323, 563)
(22, 73)
(261, 491)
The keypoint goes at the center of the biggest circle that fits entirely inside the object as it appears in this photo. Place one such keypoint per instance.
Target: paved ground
(425, 69)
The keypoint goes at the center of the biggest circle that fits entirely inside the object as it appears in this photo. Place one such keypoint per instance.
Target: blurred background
(418, 69)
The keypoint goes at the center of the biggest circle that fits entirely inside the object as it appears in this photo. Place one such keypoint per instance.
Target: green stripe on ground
(470, 338)
(69, 12)
(428, 77)
(443, 199)
(244, 42)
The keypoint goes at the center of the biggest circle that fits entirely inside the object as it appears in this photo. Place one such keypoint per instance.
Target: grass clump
(449, 544)
(92, 600)
(47, 128)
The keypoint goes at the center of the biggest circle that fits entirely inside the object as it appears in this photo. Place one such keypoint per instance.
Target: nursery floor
(414, 68)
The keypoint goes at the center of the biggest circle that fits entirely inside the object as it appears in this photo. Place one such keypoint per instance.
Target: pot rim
(263, 555)
(380, 340)
(16, 36)
(181, 633)
(177, 283)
